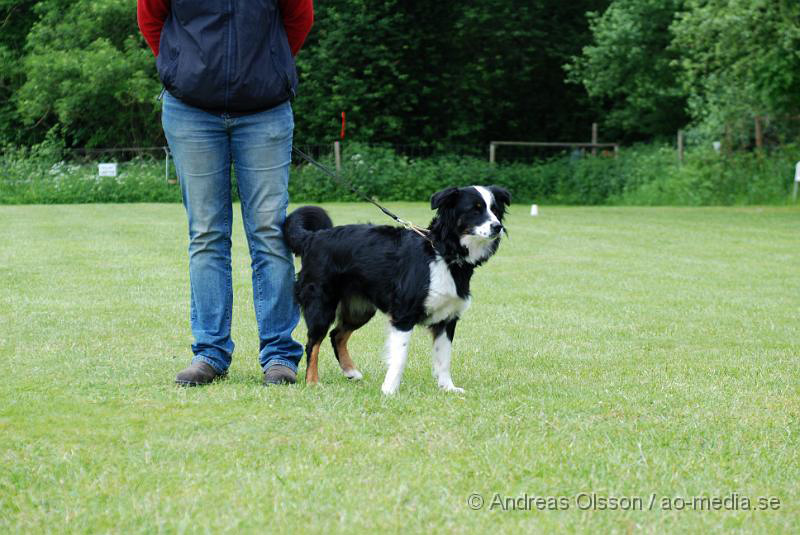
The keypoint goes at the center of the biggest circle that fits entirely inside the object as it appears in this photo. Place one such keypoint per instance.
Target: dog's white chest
(442, 302)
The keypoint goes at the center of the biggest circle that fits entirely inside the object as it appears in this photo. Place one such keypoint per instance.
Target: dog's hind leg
(312, 359)
(339, 337)
(353, 314)
(319, 317)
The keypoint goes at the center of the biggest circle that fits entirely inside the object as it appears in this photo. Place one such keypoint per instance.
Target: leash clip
(415, 228)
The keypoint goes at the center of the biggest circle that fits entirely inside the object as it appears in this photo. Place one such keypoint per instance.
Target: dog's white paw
(452, 388)
(353, 374)
(389, 389)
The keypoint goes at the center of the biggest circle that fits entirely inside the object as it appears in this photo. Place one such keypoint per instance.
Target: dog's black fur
(349, 272)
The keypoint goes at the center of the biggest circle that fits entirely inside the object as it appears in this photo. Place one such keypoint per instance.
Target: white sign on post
(797, 173)
(107, 169)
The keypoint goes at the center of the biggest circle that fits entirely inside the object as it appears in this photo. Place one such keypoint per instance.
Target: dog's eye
(477, 207)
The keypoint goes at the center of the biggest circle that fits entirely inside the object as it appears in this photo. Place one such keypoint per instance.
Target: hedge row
(644, 175)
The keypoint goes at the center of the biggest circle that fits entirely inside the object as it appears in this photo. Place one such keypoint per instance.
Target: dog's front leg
(442, 350)
(396, 356)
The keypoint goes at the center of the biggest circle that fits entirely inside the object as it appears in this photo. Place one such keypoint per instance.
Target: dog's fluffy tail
(302, 224)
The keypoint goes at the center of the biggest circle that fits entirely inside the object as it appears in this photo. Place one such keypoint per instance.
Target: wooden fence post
(166, 165)
(594, 139)
(492, 149)
(680, 147)
(166, 168)
(337, 154)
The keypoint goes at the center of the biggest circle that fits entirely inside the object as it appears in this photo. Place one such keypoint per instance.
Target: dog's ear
(443, 198)
(501, 195)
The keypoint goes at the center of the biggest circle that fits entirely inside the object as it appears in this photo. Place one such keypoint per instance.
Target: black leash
(422, 231)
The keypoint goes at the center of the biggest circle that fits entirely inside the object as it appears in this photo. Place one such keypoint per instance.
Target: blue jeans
(259, 145)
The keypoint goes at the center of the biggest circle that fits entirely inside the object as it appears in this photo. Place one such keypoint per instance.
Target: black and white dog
(349, 272)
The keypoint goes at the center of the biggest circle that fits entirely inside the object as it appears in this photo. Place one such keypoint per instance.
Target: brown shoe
(278, 374)
(199, 373)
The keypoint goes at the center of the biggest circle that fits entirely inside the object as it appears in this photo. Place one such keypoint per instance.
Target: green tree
(16, 19)
(412, 72)
(502, 76)
(443, 72)
(88, 71)
(352, 62)
(631, 67)
(739, 58)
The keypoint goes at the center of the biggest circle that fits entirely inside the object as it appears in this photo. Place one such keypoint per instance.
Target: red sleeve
(298, 16)
(151, 15)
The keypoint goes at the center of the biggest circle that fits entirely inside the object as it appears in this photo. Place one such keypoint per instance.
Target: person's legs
(199, 143)
(261, 145)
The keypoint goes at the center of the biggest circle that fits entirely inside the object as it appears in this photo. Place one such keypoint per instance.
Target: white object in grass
(797, 173)
(534, 209)
(107, 169)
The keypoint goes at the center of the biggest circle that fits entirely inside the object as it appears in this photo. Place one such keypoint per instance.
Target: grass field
(633, 353)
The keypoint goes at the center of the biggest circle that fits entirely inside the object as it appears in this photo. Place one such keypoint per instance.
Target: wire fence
(408, 150)
(123, 154)
(516, 154)
(47, 174)
(88, 155)
(124, 159)
(755, 132)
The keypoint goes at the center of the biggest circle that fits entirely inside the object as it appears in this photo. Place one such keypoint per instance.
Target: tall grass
(641, 175)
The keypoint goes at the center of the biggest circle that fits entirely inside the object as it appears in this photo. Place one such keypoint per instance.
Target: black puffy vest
(226, 55)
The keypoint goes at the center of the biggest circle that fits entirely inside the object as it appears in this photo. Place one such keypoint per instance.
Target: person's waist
(227, 111)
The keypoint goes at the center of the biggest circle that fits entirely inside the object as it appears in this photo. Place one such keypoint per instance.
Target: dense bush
(644, 175)
(39, 175)
(706, 178)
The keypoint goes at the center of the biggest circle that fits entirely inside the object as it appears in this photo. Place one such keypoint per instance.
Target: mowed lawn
(625, 353)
